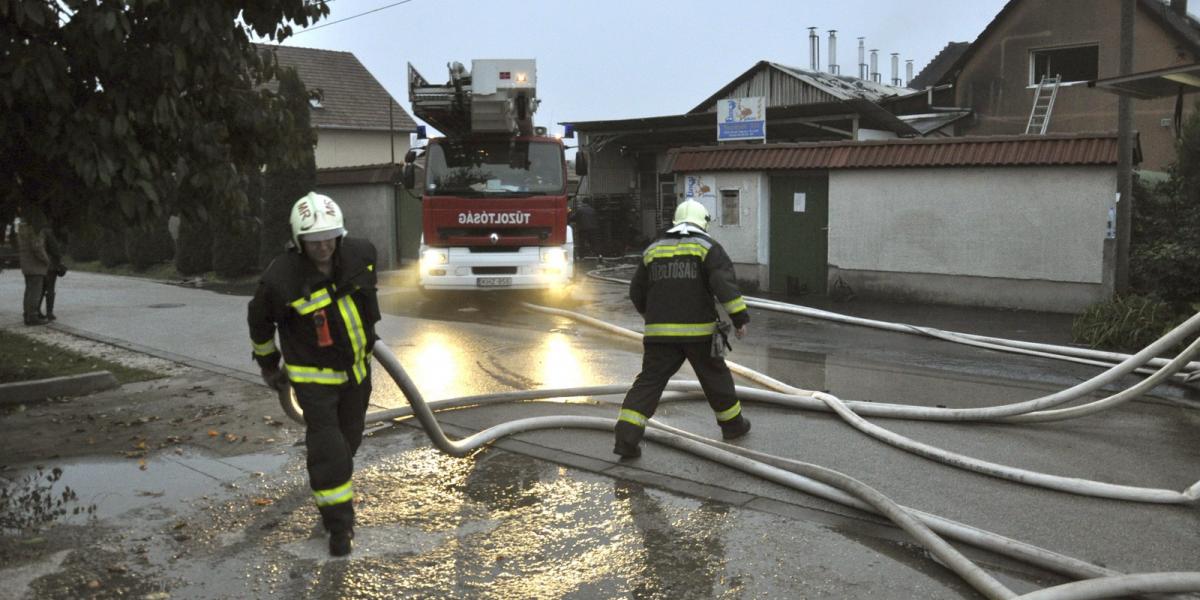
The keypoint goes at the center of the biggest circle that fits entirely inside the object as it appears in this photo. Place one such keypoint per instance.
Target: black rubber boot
(340, 543)
(735, 428)
(50, 308)
(627, 451)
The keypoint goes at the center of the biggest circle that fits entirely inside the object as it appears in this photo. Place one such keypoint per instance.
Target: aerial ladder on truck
(494, 201)
(496, 96)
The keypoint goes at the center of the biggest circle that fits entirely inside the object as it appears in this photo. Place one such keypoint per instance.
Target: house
(1003, 221)
(357, 120)
(362, 135)
(860, 185)
(996, 77)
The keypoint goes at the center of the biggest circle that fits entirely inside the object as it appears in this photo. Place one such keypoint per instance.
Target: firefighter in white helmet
(673, 289)
(320, 296)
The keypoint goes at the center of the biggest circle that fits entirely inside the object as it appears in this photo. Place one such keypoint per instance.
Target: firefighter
(320, 295)
(673, 289)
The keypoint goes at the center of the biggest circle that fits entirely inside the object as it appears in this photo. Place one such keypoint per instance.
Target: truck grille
(493, 270)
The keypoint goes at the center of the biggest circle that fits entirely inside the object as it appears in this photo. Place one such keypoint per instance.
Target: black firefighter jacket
(326, 325)
(674, 287)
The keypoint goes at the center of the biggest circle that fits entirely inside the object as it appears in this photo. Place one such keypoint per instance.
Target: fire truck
(494, 194)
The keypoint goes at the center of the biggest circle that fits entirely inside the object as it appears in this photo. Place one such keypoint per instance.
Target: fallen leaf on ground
(263, 502)
(213, 433)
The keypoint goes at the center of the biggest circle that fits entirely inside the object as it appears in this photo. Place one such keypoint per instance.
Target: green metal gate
(799, 233)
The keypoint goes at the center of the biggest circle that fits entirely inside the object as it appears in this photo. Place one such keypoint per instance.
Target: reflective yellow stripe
(317, 300)
(632, 416)
(301, 374)
(735, 306)
(264, 349)
(337, 495)
(672, 250)
(358, 337)
(680, 329)
(370, 267)
(730, 413)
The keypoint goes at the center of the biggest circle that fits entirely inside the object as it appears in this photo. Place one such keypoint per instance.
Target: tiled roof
(981, 151)
(842, 87)
(352, 97)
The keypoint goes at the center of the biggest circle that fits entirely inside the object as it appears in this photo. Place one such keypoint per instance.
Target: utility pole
(1125, 152)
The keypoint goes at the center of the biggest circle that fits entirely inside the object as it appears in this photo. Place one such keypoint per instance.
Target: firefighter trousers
(334, 416)
(659, 362)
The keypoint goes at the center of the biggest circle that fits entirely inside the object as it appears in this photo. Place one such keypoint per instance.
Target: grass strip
(23, 358)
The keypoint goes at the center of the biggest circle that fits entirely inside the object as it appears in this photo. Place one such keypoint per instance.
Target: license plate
(493, 281)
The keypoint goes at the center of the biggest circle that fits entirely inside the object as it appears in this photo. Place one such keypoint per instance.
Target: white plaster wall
(740, 241)
(1044, 223)
(348, 148)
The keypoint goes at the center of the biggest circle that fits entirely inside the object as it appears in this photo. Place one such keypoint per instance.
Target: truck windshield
(502, 167)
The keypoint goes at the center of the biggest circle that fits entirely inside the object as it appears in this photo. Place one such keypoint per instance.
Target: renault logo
(495, 237)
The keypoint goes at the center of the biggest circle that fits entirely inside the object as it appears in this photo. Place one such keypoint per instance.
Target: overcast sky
(615, 59)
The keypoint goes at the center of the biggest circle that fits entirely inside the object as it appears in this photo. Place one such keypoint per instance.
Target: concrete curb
(22, 392)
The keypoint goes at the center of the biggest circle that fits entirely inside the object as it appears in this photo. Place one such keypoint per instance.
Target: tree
(289, 178)
(111, 106)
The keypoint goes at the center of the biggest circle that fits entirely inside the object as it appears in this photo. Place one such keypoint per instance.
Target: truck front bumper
(528, 268)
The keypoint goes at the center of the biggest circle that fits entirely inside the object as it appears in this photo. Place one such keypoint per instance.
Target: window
(730, 208)
(1076, 63)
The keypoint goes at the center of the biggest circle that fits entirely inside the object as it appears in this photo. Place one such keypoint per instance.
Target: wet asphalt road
(551, 515)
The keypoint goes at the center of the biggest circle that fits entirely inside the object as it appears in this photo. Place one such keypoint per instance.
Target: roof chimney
(814, 49)
(896, 69)
(833, 66)
(908, 67)
(1180, 7)
(862, 59)
(875, 65)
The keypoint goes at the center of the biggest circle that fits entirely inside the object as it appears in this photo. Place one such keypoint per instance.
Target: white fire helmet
(315, 218)
(690, 211)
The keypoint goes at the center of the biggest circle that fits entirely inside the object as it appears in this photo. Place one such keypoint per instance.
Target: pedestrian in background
(673, 289)
(320, 296)
(56, 270)
(35, 263)
(587, 229)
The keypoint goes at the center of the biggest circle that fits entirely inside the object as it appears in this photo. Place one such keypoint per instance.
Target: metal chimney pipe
(833, 66)
(1180, 7)
(862, 59)
(908, 68)
(814, 49)
(875, 65)
(896, 69)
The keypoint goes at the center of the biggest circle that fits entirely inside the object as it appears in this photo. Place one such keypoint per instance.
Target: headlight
(556, 257)
(434, 257)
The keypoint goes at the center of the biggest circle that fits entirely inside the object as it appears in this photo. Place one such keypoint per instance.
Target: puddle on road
(109, 488)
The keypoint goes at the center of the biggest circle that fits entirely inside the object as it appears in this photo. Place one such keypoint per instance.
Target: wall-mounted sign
(742, 119)
(702, 189)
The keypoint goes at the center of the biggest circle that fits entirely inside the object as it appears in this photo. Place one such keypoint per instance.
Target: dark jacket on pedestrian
(584, 218)
(675, 283)
(326, 324)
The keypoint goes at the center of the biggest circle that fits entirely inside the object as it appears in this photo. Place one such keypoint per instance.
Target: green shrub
(287, 178)
(112, 247)
(235, 249)
(83, 244)
(193, 249)
(1126, 323)
(149, 244)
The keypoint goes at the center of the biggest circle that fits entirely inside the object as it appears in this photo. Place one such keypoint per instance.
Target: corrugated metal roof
(352, 97)
(981, 151)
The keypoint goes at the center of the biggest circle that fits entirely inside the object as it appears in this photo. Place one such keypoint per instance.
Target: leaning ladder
(1043, 104)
